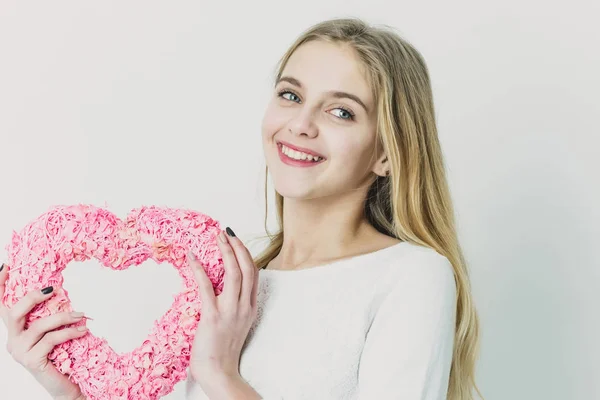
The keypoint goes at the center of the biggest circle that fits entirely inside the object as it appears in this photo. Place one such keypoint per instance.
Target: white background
(124, 104)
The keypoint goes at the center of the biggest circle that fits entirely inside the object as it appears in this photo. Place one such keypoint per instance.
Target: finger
(246, 266)
(17, 314)
(54, 338)
(253, 296)
(205, 286)
(3, 279)
(42, 326)
(232, 281)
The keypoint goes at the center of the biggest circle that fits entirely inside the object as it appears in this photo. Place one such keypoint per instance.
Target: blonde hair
(412, 204)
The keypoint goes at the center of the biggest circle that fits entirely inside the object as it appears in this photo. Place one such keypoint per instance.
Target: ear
(382, 166)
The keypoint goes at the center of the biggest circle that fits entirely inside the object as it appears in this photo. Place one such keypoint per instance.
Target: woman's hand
(225, 320)
(30, 347)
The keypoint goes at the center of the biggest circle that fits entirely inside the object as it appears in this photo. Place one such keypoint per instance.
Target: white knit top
(371, 327)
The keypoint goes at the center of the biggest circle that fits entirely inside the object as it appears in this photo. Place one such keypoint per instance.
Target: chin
(292, 190)
(291, 182)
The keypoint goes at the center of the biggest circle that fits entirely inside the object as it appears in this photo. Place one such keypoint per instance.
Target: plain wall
(124, 104)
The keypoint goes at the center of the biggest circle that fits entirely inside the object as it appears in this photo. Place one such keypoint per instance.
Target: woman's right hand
(30, 347)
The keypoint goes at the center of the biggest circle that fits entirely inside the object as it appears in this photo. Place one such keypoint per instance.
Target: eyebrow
(337, 94)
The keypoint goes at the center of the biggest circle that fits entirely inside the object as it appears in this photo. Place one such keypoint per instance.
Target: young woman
(363, 293)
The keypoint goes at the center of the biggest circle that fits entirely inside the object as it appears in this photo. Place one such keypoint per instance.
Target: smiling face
(322, 107)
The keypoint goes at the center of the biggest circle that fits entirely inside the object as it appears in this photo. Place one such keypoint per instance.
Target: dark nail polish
(1, 267)
(47, 290)
(229, 232)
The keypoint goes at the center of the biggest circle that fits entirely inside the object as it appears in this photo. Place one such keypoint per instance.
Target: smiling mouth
(297, 158)
(298, 155)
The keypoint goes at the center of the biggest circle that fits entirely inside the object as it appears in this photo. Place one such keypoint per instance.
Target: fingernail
(76, 314)
(229, 232)
(47, 290)
(82, 328)
(191, 256)
(1, 267)
(222, 238)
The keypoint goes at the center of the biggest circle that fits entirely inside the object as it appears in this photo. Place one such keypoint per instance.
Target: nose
(303, 125)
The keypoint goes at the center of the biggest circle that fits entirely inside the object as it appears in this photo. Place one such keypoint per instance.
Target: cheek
(273, 121)
(347, 149)
(353, 157)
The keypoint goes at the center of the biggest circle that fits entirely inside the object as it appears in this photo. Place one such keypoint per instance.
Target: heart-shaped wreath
(41, 251)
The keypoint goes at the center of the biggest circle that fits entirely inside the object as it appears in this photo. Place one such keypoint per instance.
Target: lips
(296, 163)
(301, 149)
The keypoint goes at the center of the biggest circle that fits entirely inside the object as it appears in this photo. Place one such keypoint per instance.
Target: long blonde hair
(412, 204)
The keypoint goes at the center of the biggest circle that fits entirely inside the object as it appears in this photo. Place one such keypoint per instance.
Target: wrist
(78, 396)
(206, 374)
(221, 385)
(213, 378)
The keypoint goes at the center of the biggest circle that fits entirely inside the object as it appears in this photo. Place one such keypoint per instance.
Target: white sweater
(373, 327)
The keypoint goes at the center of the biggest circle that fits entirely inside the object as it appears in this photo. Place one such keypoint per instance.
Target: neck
(319, 230)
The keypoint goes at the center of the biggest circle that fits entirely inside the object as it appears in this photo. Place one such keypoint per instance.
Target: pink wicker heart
(41, 251)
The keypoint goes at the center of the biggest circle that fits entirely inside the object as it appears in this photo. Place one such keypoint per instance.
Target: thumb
(205, 286)
(3, 279)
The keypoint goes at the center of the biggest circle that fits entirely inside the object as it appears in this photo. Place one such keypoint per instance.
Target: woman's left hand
(225, 319)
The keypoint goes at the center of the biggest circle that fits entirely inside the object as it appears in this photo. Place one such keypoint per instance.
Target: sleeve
(408, 349)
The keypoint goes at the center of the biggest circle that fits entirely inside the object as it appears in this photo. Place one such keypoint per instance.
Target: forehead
(322, 66)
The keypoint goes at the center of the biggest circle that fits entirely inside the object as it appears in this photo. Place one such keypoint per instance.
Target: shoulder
(402, 257)
(421, 272)
(425, 263)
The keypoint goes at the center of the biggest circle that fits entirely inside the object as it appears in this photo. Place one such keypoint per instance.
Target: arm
(408, 350)
(79, 397)
(227, 387)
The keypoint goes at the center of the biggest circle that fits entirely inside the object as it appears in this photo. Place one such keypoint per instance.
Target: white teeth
(297, 155)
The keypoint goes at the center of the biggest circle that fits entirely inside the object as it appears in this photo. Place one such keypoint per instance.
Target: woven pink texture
(65, 233)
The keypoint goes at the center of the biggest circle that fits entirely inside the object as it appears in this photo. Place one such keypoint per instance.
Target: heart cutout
(123, 304)
(41, 251)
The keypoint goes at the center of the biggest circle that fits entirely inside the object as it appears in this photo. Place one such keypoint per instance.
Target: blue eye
(344, 114)
(291, 96)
